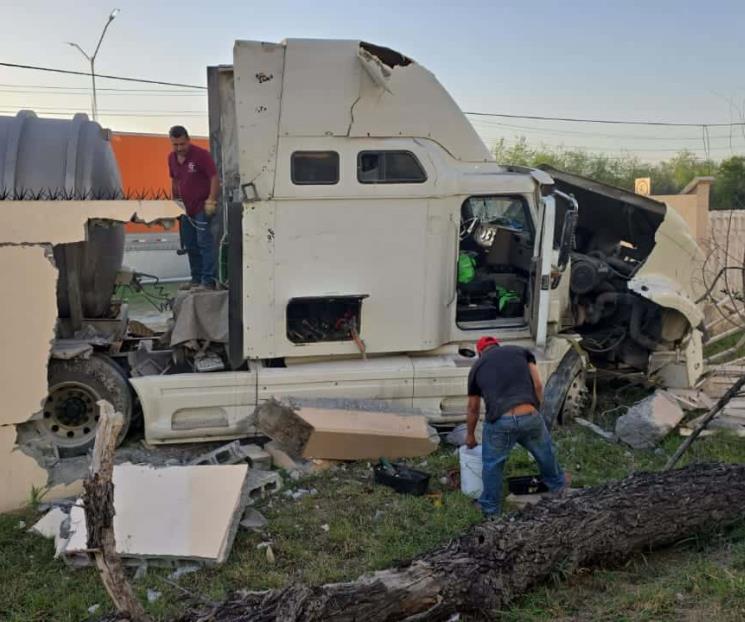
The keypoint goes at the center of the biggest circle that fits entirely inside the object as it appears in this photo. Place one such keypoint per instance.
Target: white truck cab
(372, 240)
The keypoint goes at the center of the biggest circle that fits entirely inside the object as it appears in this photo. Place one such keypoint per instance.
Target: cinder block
(233, 453)
(260, 484)
(257, 457)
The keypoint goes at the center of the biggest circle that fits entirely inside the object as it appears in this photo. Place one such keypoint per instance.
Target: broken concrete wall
(28, 230)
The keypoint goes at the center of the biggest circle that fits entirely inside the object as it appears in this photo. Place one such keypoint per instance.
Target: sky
(653, 60)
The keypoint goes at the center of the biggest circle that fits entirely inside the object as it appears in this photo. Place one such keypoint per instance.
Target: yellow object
(210, 207)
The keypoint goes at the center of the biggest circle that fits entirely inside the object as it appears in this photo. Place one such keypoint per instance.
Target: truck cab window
(314, 167)
(389, 167)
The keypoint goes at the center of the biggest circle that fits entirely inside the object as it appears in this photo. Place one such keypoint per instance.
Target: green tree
(728, 191)
(668, 176)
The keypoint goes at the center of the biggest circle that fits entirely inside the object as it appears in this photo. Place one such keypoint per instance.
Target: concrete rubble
(233, 453)
(188, 513)
(649, 421)
(344, 434)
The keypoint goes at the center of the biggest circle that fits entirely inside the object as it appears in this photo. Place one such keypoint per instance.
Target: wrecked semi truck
(372, 239)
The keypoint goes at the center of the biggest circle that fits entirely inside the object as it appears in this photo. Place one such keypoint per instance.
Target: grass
(351, 526)
(725, 344)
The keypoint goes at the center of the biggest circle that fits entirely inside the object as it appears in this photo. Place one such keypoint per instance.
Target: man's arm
(472, 419)
(537, 383)
(214, 188)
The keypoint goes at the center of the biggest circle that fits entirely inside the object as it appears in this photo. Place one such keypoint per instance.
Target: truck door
(542, 255)
(553, 244)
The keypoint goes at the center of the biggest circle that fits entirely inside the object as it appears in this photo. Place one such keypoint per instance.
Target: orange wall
(143, 164)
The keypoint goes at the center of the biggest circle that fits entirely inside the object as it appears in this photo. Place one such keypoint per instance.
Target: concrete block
(260, 484)
(257, 457)
(649, 421)
(233, 453)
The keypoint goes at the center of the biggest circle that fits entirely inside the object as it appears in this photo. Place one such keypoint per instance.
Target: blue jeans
(498, 440)
(200, 246)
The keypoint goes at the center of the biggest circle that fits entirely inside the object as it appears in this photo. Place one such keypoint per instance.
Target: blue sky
(656, 60)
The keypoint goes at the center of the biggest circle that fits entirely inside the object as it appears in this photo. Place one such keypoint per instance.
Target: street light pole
(92, 60)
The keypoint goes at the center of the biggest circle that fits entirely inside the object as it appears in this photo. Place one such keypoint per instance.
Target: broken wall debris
(649, 421)
(179, 513)
(28, 230)
(345, 434)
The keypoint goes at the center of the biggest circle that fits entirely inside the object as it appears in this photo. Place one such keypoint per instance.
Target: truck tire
(565, 395)
(70, 414)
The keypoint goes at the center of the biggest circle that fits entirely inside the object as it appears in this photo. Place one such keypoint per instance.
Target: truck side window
(389, 167)
(314, 167)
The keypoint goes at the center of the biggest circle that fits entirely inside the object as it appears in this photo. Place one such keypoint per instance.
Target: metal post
(94, 110)
(92, 60)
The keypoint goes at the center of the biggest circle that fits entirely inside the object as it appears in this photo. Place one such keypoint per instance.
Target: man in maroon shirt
(194, 181)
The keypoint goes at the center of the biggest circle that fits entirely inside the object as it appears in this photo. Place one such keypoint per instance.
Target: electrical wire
(101, 75)
(603, 121)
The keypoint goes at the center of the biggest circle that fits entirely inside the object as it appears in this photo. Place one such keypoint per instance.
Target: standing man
(507, 378)
(194, 181)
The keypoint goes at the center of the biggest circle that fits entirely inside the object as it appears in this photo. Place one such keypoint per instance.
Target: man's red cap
(484, 342)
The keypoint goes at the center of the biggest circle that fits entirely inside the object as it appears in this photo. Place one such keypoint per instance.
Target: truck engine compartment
(614, 235)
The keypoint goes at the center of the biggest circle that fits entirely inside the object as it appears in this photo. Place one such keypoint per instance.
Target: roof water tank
(67, 159)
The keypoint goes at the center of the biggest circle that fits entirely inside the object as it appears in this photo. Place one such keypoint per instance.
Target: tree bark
(98, 501)
(489, 566)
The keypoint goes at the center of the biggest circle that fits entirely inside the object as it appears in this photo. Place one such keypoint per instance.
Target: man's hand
(471, 440)
(210, 207)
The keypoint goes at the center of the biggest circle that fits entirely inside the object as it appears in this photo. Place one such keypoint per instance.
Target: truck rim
(70, 414)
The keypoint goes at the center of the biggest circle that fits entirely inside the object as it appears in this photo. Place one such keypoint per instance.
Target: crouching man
(506, 377)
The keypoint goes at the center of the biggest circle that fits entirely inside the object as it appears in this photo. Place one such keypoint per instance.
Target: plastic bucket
(470, 471)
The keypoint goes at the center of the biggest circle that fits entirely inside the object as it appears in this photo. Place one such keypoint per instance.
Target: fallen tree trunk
(484, 570)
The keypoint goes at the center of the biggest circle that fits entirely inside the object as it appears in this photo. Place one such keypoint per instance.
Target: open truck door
(554, 239)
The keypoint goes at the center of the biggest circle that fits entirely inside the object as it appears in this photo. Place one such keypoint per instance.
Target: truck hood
(670, 274)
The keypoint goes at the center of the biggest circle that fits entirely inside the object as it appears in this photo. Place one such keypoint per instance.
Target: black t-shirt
(502, 377)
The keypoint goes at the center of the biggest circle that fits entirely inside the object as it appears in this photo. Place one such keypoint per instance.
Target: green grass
(371, 527)
(726, 344)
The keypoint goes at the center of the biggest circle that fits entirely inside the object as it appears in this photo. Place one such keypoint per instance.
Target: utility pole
(92, 60)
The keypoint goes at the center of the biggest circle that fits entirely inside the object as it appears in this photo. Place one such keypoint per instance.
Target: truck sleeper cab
(357, 192)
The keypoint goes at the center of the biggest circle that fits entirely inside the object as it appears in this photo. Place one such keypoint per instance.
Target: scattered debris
(141, 571)
(233, 453)
(50, 524)
(183, 570)
(401, 478)
(691, 399)
(608, 436)
(269, 554)
(260, 484)
(345, 434)
(21, 524)
(734, 390)
(93, 608)
(157, 509)
(647, 422)
(253, 519)
(153, 595)
(325, 527)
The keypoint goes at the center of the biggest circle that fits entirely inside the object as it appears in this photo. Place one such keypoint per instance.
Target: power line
(496, 124)
(100, 75)
(86, 88)
(605, 121)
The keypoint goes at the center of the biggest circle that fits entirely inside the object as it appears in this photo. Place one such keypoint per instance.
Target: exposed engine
(616, 325)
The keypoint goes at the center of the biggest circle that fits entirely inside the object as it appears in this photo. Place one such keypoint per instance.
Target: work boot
(187, 286)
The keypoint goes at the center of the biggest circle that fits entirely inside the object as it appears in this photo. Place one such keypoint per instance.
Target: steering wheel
(467, 226)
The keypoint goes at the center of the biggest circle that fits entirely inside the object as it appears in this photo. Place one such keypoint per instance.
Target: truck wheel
(70, 414)
(565, 395)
